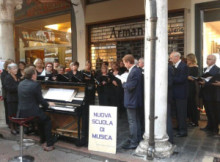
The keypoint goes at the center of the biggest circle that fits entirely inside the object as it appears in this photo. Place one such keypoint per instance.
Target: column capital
(7, 8)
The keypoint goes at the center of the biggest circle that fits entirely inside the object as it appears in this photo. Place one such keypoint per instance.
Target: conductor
(29, 98)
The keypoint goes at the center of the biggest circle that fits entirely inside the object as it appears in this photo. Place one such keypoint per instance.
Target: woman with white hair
(38, 63)
(11, 85)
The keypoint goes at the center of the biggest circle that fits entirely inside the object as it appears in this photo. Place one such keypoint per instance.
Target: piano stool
(22, 122)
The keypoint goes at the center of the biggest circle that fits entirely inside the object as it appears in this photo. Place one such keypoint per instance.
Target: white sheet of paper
(123, 77)
(207, 79)
(59, 94)
(43, 73)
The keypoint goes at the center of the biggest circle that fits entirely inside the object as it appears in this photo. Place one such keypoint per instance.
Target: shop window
(211, 40)
(48, 39)
(176, 34)
(101, 52)
(110, 42)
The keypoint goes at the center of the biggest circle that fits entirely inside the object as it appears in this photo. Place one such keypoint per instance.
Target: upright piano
(66, 115)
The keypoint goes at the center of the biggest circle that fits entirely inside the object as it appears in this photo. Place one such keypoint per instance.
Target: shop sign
(117, 32)
(103, 129)
(41, 36)
(123, 33)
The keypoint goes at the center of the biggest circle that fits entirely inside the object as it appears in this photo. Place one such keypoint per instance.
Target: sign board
(103, 129)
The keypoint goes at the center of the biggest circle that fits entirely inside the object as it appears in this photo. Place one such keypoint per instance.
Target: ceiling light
(54, 26)
(69, 30)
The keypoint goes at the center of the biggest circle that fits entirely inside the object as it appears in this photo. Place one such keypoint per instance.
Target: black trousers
(193, 112)
(181, 112)
(209, 105)
(169, 124)
(44, 127)
(216, 115)
(6, 111)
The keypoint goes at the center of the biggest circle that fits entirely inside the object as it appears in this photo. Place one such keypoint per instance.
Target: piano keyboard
(67, 108)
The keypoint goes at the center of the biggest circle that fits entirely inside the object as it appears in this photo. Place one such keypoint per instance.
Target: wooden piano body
(66, 116)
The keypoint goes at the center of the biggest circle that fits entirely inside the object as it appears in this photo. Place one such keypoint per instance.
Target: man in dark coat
(208, 94)
(169, 102)
(133, 100)
(29, 99)
(180, 92)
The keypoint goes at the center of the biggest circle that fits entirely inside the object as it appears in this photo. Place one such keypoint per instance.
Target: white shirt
(177, 64)
(130, 69)
(209, 68)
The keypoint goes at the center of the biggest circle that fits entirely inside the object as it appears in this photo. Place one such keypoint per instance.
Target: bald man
(180, 92)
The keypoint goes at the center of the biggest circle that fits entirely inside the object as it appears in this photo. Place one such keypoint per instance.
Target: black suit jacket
(170, 84)
(29, 98)
(180, 81)
(208, 91)
(11, 87)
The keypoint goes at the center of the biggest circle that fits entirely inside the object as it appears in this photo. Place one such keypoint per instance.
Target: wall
(113, 9)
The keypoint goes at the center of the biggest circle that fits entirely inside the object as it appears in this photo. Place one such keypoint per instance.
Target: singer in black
(74, 75)
(104, 87)
(117, 90)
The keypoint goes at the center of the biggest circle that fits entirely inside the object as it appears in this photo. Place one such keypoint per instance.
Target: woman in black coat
(3, 75)
(193, 71)
(11, 85)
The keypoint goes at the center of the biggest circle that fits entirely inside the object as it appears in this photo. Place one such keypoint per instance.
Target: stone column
(80, 31)
(7, 7)
(7, 49)
(162, 147)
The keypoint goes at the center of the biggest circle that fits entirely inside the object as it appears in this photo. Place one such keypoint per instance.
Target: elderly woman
(3, 75)
(11, 85)
(38, 63)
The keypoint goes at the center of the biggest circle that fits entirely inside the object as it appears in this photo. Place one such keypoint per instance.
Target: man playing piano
(29, 98)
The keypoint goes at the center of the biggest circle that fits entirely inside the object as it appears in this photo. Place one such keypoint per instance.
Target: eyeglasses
(49, 66)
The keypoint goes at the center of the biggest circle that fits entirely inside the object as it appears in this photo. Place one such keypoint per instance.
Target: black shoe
(206, 129)
(130, 146)
(13, 132)
(176, 129)
(181, 135)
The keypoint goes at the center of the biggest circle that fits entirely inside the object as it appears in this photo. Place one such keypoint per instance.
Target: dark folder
(62, 78)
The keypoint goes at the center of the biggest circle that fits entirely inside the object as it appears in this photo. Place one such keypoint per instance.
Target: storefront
(44, 30)
(207, 31)
(111, 41)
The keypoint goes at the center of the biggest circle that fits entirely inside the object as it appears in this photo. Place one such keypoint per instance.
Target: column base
(2, 115)
(163, 148)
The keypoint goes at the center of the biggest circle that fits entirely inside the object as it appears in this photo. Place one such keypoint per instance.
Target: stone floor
(198, 146)
(9, 148)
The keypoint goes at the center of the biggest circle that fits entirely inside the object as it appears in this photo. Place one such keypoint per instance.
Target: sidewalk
(198, 146)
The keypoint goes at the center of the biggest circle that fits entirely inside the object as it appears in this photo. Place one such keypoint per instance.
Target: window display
(49, 39)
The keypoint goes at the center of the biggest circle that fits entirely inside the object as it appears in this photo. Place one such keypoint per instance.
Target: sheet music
(59, 94)
(123, 77)
(80, 95)
(43, 73)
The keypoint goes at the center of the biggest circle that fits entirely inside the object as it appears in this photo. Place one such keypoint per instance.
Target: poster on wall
(103, 129)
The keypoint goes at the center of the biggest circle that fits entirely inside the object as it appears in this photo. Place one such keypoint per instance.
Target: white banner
(103, 129)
